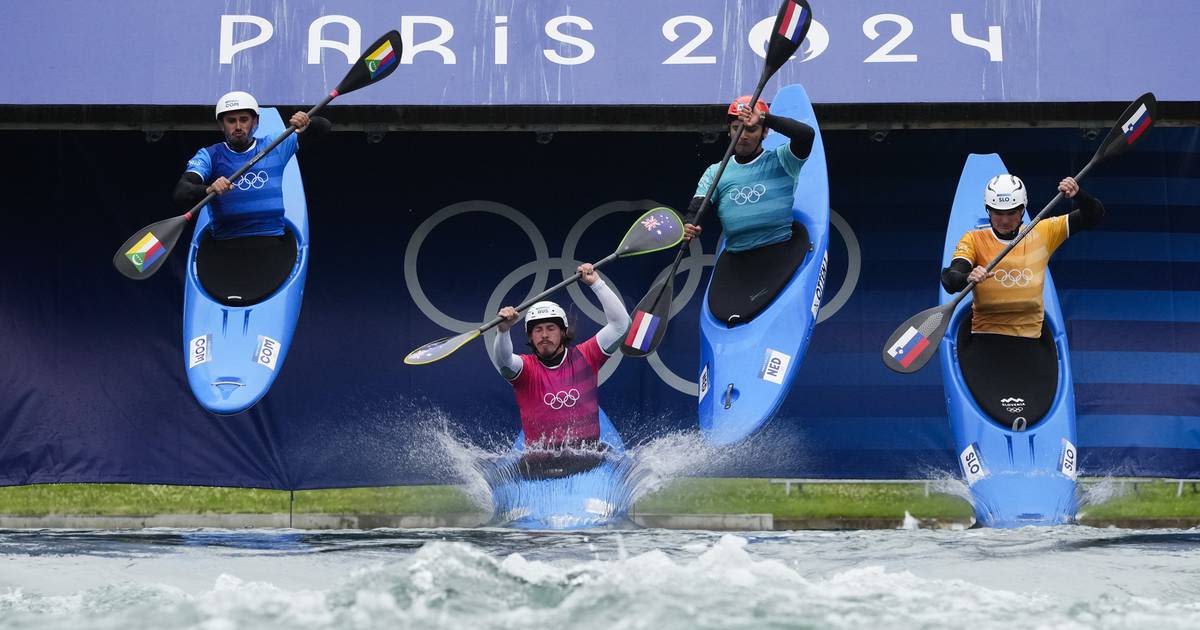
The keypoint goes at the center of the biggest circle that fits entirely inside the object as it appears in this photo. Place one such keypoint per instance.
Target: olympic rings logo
(1014, 277)
(747, 194)
(540, 269)
(253, 179)
(561, 399)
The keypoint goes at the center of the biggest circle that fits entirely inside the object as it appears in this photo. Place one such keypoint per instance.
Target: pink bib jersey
(559, 404)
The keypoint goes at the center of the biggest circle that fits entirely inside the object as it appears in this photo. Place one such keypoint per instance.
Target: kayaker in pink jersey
(556, 384)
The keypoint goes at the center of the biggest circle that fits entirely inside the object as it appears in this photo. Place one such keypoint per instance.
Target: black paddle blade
(440, 349)
(1132, 126)
(380, 59)
(791, 27)
(658, 229)
(916, 341)
(650, 318)
(140, 256)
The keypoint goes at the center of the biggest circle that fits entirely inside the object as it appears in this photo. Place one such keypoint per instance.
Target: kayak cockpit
(1014, 380)
(245, 271)
(745, 283)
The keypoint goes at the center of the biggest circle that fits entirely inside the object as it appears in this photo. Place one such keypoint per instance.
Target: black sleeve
(954, 277)
(694, 208)
(800, 134)
(318, 128)
(189, 191)
(1088, 213)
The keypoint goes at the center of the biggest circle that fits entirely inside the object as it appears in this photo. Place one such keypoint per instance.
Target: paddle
(656, 230)
(791, 26)
(144, 252)
(911, 346)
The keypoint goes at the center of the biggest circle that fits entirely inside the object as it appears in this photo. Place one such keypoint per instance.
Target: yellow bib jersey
(1010, 303)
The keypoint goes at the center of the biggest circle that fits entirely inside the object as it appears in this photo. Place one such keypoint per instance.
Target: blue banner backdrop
(415, 232)
(478, 52)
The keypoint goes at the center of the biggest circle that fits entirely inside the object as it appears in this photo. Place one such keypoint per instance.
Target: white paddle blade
(440, 349)
(915, 342)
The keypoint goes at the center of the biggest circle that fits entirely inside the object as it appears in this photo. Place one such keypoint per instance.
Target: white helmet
(1005, 192)
(543, 312)
(234, 101)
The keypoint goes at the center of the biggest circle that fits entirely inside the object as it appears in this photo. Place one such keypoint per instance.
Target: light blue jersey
(754, 200)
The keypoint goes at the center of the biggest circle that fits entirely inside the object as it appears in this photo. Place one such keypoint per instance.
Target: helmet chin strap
(1006, 236)
(555, 359)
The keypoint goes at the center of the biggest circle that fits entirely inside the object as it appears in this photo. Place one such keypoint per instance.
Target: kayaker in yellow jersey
(1008, 300)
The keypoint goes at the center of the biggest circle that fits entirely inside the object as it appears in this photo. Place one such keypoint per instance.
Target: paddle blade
(916, 340)
(650, 318)
(656, 230)
(791, 27)
(380, 60)
(440, 349)
(1132, 126)
(141, 256)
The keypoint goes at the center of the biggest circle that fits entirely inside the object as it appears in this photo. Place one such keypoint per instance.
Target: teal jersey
(754, 200)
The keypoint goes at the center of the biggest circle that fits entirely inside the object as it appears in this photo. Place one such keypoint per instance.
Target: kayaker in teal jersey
(754, 197)
(253, 205)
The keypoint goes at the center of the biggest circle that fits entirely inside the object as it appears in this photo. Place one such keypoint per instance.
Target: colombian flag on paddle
(145, 252)
(641, 333)
(1137, 124)
(381, 59)
(793, 17)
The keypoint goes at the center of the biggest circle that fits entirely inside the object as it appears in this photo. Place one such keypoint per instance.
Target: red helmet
(743, 102)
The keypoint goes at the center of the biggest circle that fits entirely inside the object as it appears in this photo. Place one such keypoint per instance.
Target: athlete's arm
(954, 277)
(800, 134)
(189, 190)
(690, 228)
(507, 364)
(615, 316)
(318, 127)
(1088, 213)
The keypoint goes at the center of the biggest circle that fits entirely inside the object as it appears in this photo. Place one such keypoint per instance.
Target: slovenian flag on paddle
(1138, 123)
(793, 17)
(641, 333)
(909, 346)
(381, 59)
(145, 252)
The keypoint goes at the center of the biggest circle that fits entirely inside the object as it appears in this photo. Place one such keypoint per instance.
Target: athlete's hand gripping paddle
(654, 310)
(911, 346)
(656, 230)
(144, 252)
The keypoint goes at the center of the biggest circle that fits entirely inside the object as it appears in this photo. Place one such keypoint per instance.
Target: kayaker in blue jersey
(253, 205)
(755, 195)
(249, 251)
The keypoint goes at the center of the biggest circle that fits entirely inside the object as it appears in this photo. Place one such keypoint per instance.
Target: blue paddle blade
(656, 230)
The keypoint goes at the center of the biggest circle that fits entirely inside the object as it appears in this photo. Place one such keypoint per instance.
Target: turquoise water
(1061, 577)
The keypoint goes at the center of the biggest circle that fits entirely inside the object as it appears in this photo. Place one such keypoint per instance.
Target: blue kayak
(595, 497)
(760, 306)
(1012, 408)
(239, 317)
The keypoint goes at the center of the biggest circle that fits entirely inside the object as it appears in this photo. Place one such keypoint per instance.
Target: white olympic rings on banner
(693, 265)
(747, 194)
(561, 399)
(253, 179)
(1014, 277)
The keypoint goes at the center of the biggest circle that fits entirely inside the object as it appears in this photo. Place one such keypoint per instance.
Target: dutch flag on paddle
(641, 333)
(908, 347)
(1137, 124)
(789, 26)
